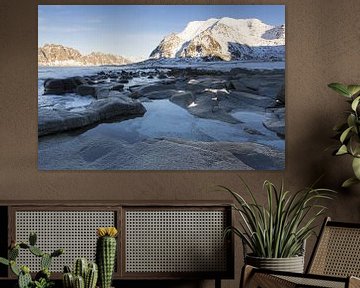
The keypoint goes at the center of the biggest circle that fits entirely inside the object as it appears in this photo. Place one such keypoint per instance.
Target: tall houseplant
(349, 131)
(276, 233)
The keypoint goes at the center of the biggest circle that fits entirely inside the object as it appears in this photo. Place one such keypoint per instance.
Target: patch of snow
(216, 90)
(193, 104)
(193, 81)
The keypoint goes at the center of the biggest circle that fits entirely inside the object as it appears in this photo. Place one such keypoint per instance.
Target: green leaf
(353, 89)
(349, 182)
(345, 134)
(355, 103)
(342, 150)
(340, 88)
(351, 120)
(354, 145)
(356, 167)
(4, 261)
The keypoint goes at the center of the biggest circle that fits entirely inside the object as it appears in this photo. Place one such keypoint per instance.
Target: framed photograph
(161, 87)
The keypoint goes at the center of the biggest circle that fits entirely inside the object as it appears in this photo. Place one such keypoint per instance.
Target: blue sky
(134, 30)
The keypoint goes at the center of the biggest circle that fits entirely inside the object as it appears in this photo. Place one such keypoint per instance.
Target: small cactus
(79, 282)
(89, 272)
(91, 276)
(80, 268)
(106, 254)
(42, 278)
(68, 280)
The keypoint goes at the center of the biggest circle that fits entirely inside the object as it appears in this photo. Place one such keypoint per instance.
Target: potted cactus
(84, 275)
(106, 254)
(42, 278)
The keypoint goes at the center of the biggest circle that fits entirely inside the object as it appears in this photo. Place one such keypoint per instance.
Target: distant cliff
(58, 55)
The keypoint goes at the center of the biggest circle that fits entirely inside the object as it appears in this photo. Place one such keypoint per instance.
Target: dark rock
(280, 97)
(143, 90)
(98, 92)
(62, 86)
(135, 95)
(270, 88)
(123, 81)
(162, 76)
(245, 99)
(243, 85)
(118, 87)
(162, 94)
(183, 99)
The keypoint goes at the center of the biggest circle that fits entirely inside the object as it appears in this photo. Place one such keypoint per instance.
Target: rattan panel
(338, 253)
(175, 241)
(75, 231)
(312, 282)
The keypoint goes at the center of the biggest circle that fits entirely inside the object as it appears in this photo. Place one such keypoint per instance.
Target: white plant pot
(291, 264)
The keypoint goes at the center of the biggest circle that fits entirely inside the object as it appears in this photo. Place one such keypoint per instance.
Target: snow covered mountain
(58, 55)
(225, 39)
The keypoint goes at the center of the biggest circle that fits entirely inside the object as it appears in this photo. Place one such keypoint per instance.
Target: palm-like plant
(280, 229)
(349, 131)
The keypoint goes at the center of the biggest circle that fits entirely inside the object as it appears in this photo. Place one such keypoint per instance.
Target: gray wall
(322, 46)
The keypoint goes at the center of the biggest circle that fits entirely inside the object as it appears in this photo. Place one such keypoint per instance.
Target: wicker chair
(334, 263)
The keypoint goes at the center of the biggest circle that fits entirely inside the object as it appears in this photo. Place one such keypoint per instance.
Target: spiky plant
(85, 274)
(42, 278)
(106, 254)
(279, 229)
(349, 131)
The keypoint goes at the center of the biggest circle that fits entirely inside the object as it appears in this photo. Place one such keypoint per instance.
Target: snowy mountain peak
(196, 27)
(225, 38)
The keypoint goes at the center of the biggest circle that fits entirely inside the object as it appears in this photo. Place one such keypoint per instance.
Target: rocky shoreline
(112, 96)
(204, 94)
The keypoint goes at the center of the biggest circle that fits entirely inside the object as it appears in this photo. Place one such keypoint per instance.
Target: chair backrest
(337, 251)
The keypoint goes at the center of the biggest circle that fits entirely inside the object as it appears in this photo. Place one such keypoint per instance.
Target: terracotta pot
(291, 264)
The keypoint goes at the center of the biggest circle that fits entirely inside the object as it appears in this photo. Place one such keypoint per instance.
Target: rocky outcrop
(58, 55)
(275, 120)
(106, 101)
(59, 120)
(217, 96)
